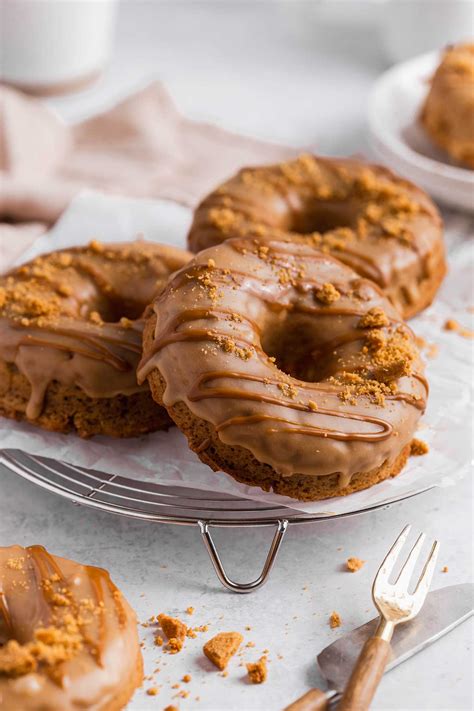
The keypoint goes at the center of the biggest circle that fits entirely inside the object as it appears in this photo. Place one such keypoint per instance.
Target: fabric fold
(142, 147)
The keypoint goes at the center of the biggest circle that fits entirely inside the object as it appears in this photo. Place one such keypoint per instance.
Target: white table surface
(264, 70)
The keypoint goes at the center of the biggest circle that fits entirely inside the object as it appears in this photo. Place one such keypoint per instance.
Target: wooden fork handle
(313, 700)
(365, 676)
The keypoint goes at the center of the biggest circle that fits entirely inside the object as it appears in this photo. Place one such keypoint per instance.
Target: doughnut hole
(293, 341)
(323, 216)
(111, 309)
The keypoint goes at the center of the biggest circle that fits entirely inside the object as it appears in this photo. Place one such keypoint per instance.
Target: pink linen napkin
(143, 147)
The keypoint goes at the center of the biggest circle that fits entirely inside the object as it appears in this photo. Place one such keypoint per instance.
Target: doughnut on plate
(399, 140)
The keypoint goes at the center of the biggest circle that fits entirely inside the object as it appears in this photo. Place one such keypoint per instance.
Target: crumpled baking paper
(164, 456)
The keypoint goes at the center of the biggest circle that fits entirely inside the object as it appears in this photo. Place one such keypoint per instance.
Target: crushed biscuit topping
(221, 648)
(354, 564)
(327, 294)
(353, 385)
(418, 447)
(452, 325)
(175, 632)
(257, 671)
(374, 318)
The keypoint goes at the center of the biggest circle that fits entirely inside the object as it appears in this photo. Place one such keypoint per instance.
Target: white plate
(399, 141)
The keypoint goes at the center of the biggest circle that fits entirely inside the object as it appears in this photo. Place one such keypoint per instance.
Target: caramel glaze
(220, 319)
(383, 227)
(87, 629)
(74, 316)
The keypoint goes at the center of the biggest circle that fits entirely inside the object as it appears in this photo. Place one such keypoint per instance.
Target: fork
(395, 605)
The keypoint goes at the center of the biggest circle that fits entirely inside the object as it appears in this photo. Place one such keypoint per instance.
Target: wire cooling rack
(159, 503)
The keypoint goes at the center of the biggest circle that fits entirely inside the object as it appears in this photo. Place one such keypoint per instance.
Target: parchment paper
(164, 457)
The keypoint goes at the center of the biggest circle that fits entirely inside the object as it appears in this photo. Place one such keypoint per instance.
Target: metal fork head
(393, 600)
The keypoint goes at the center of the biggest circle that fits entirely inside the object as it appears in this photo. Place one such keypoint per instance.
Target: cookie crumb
(95, 317)
(186, 678)
(418, 448)
(257, 671)
(335, 620)
(152, 691)
(96, 246)
(374, 318)
(445, 569)
(452, 325)
(354, 564)
(220, 648)
(190, 610)
(327, 294)
(175, 631)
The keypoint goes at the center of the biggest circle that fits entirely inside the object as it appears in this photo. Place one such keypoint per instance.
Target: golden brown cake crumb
(152, 691)
(171, 626)
(445, 569)
(335, 620)
(328, 294)
(222, 647)
(175, 645)
(452, 325)
(187, 678)
(159, 641)
(171, 708)
(418, 447)
(96, 246)
(16, 659)
(15, 563)
(354, 564)
(175, 631)
(190, 610)
(374, 318)
(257, 671)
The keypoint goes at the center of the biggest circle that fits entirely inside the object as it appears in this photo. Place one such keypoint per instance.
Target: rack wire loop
(162, 503)
(281, 527)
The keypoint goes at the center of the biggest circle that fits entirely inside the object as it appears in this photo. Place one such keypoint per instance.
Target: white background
(277, 72)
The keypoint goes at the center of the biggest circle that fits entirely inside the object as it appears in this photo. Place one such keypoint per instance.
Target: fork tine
(424, 582)
(408, 566)
(386, 567)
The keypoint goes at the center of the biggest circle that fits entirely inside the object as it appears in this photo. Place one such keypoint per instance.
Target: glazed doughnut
(448, 112)
(285, 368)
(383, 227)
(68, 638)
(70, 338)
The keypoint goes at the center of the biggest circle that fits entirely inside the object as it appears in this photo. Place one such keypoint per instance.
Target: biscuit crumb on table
(175, 631)
(445, 569)
(257, 671)
(354, 564)
(335, 620)
(152, 691)
(452, 325)
(220, 648)
(418, 447)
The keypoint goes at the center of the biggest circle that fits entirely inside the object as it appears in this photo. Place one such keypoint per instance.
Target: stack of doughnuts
(280, 349)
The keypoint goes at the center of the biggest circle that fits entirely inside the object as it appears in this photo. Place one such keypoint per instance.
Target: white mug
(54, 46)
(411, 27)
